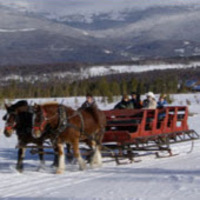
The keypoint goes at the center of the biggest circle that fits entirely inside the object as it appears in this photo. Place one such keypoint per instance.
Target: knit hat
(150, 94)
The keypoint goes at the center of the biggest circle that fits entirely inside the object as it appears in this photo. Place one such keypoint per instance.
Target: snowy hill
(88, 8)
(171, 178)
(91, 72)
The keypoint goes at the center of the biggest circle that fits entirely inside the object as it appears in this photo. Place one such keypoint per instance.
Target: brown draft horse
(19, 119)
(70, 126)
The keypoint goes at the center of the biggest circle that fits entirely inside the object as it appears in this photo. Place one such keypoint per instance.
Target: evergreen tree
(103, 87)
(124, 89)
(115, 88)
(134, 85)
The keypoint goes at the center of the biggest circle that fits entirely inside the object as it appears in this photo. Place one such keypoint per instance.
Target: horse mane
(25, 117)
(69, 109)
(50, 103)
(18, 104)
(55, 103)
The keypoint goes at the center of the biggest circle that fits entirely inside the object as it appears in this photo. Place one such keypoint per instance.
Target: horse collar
(64, 121)
(62, 124)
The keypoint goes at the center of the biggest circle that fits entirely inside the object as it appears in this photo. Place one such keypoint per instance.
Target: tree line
(107, 87)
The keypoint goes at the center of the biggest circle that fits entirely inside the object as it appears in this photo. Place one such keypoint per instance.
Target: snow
(172, 178)
(94, 71)
(17, 30)
(186, 43)
(85, 33)
(116, 69)
(181, 50)
(106, 51)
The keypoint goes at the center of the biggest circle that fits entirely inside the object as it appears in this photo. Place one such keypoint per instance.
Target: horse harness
(64, 122)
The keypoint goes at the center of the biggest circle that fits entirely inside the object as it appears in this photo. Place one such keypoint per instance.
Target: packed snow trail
(169, 178)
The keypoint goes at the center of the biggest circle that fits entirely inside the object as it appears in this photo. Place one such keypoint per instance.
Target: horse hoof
(82, 167)
(95, 165)
(20, 170)
(54, 165)
(59, 171)
(41, 168)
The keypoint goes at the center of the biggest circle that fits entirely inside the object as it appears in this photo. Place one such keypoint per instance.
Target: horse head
(44, 116)
(11, 116)
(10, 120)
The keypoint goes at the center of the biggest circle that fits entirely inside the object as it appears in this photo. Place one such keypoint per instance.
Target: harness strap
(64, 123)
(62, 119)
(82, 122)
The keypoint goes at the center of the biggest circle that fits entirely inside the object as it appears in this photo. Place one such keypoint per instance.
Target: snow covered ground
(174, 178)
(94, 71)
(116, 69)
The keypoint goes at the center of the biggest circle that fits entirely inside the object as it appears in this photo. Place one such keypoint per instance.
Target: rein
(50, 118)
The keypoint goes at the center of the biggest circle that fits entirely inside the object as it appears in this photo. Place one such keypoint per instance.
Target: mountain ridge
(125, 34)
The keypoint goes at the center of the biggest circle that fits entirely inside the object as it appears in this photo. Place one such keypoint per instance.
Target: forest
(160, 81)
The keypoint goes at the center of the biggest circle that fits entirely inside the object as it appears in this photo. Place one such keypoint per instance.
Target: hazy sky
(90, 6)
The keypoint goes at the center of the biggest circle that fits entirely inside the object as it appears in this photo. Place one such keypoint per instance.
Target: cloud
(157, 27)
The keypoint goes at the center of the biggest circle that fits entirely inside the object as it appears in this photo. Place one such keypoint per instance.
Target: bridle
(10, 125)
(40, 125)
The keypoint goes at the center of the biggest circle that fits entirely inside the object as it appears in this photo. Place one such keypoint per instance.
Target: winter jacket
(136, 104)
(86, 104)
(124, 105)
(150, 104)
(161, 104)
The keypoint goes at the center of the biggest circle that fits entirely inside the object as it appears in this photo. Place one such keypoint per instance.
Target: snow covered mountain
(116, 9)
(45, 31)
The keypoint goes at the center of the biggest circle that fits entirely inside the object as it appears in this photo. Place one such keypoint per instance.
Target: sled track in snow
(37, 184)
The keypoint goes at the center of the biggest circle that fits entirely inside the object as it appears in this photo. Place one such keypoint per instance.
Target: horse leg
(61, 159)
(77, 155)
(55, 161)
(21, 155)
(41, 157)
(68, 148)
(97, 158)
(69, 153)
